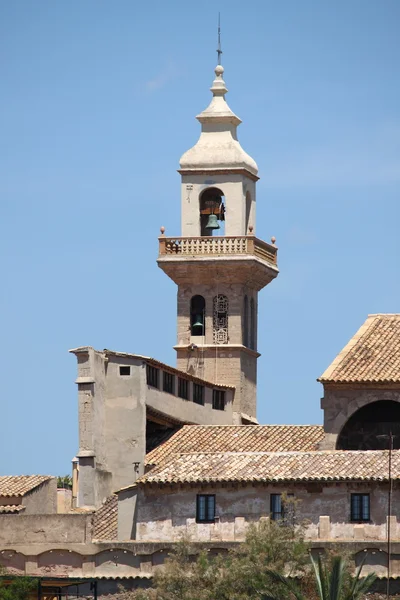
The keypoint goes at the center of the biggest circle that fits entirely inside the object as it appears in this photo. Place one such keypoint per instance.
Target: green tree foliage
(332, 581)
(274, 563)
(64, 481)
(241, 574)
(17, 588)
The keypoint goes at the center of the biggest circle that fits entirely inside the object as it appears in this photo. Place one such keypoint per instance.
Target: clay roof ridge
(19, 485)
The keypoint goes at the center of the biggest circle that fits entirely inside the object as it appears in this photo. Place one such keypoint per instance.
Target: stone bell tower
(218, 264)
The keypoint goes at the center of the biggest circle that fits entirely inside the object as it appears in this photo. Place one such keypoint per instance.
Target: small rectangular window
(281, 510)
(198, 393)
(168, 382)
(218, 402)
(360, 508)
(152, 376)
(205, 508)
(124, 371)
(183, 388)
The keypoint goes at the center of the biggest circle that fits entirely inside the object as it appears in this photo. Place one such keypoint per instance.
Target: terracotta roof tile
(105, 520)
(238, 438)
(18, 485)
(11, 508)
(332, 465)
(372, 355)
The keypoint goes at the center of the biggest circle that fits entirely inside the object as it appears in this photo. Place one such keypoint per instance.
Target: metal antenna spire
(219, 51)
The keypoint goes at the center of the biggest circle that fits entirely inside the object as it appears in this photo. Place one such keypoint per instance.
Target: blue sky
(97, 105)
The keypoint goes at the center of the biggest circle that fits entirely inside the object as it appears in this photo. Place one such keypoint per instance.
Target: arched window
(370, 426)
(220, 320)
(212, 211)
(252, 324)
(245, 321)
(197, 316)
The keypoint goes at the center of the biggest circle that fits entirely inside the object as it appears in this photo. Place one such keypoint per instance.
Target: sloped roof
(105, 520)
(11, 508)
(325, 466)
(238, 438)
(371, 356)
(18, 485)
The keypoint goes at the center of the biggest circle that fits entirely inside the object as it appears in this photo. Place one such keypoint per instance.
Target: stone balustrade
(218, 246)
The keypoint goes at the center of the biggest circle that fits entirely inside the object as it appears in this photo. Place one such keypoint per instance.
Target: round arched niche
(212, 202)
(369, 427)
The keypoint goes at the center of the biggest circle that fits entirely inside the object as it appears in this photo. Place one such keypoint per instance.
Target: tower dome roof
(218, 146)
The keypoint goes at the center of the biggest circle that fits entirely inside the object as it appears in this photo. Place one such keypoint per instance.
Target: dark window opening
(245, 321)
(360, 508)
(124, 371)
(205, 508)
(168, 382)
(252, 324)
(198, 393)
(183, 388)
(369, 427)
(212, 212)
(248, 209)
(218, 401)
(282, 507)
(197, 316)
(152, 376)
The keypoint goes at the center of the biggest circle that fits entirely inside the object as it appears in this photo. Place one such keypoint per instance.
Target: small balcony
(218, 246)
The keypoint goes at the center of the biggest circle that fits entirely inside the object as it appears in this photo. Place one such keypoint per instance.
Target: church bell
(198, 323)
(212, 222)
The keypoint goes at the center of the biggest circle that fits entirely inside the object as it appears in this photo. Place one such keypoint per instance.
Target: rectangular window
(168, 383)
(183, 388)
(360, 508)
(124, 371)
(281, 510)
(218, 400)
(205, 509)
(152, 376)
(198, 393)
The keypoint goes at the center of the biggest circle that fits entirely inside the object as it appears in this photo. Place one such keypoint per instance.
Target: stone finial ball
(273, 239)
(162, 229)
(219, 69)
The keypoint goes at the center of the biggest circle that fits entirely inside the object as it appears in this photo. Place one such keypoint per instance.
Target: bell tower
(218, 263)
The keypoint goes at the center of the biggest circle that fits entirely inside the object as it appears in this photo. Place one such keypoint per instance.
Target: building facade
(169, 450)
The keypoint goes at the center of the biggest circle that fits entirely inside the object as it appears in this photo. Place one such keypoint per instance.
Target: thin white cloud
(367, 158)
(168, 73)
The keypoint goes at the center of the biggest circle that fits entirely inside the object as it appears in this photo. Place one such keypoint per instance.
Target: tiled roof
(11, 508)
(334, 465)
(105, 520)
(18, 485)
(238, 438)
(372, 355)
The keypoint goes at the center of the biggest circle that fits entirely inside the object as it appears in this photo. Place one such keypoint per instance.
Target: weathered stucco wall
(42, 499)
(164, 514)
(112, 420)
(44, 529)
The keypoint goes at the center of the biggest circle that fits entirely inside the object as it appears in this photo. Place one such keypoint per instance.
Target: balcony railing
(230, 245)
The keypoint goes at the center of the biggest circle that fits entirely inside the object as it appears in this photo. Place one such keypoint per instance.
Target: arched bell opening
(212, 212)
(369, 427)
(197, 316)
